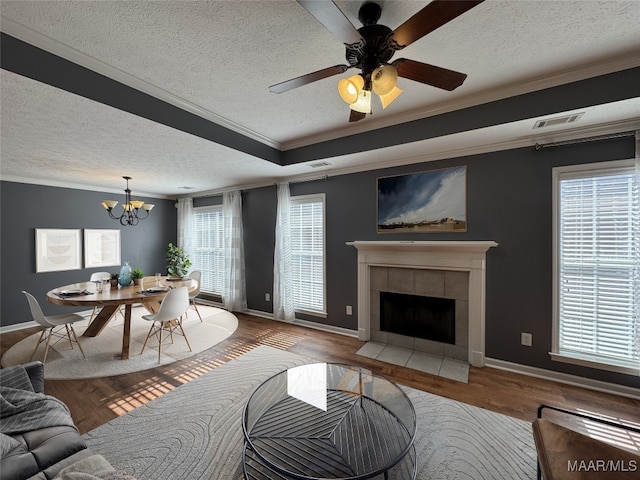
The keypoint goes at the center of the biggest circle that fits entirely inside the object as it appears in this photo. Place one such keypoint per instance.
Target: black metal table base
(254, 469)
(356, 438)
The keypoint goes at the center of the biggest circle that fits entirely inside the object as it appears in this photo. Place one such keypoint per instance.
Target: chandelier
(131, 209)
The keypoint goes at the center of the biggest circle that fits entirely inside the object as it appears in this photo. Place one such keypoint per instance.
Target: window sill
(311, 313)
(586, 361)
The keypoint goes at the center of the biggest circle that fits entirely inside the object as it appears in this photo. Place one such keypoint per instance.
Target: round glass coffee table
(329, 421)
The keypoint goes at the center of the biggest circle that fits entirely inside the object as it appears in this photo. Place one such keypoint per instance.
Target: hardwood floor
(96, 401)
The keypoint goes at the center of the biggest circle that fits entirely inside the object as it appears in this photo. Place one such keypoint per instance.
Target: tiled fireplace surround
(449, 269)
(429, 283)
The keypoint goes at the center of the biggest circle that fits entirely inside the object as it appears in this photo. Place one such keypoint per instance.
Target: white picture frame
(101, 248)
(58, 249)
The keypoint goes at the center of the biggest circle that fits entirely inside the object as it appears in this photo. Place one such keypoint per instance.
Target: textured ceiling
(216, 60)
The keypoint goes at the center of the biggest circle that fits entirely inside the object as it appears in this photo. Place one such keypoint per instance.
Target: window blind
(307, 252)
(208, 248)
(599, 267)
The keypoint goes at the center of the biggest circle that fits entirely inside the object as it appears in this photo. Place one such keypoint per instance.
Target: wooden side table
(566, 454)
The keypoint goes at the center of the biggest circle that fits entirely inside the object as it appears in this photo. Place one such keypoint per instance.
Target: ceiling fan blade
(308, 78)
(355, 116)
(434, 15)
(429, 74)
(329, 15)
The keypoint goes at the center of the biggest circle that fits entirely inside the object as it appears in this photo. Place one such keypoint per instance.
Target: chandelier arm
(140, 217)
(110, 212)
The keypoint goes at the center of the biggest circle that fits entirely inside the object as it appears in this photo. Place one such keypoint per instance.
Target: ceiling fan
(371, 47)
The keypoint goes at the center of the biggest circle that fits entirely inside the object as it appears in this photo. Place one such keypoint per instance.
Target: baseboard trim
(18, 326)
(306, 323)
(327, 328)
(588, 383)
(211, 303)
(259, 313)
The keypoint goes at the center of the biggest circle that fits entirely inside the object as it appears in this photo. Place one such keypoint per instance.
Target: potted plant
(114, 280)
(177, 261)
(137, 275)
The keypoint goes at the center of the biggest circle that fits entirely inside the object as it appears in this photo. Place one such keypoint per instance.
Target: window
(306, 217)
(208, 247)
(597, 265)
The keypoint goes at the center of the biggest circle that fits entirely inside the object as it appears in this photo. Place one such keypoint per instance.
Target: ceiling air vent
(551, 122)
(319, 164)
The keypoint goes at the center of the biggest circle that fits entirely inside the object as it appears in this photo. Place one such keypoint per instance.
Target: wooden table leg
(101, 320)
(126, 334)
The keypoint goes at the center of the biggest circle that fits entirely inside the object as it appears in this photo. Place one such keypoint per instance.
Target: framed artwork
(423, 202)
(101, 248)
(58, 249)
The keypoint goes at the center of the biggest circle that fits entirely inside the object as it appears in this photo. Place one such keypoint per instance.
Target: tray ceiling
(206, 66)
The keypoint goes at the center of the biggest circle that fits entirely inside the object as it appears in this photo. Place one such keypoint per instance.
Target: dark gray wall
(25, 207)
(509, 201)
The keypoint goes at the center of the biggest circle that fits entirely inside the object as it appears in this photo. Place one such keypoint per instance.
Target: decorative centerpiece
(114, 280)
(125, 275)
(178, 262)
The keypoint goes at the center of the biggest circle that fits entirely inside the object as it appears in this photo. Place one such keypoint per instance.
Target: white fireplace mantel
(469, 256)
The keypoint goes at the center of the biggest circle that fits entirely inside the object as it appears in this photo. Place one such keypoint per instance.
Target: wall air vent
(551, 122)
(319, 164)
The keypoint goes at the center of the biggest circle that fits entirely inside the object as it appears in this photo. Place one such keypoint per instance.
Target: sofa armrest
(29, 376)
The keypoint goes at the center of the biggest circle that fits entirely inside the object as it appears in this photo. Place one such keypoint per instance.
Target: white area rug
(101, 351)
(195, 431)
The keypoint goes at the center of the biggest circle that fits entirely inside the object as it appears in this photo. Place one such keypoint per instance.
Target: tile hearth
(425, 362)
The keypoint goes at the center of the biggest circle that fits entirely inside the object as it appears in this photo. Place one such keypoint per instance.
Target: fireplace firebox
(431, 318)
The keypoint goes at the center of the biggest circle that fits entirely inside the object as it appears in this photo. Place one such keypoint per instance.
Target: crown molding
(527, 141)
(26, 34)
(521, 142)
(76, 186)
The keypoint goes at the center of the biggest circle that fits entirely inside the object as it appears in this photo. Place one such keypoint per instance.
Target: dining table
(149, 293)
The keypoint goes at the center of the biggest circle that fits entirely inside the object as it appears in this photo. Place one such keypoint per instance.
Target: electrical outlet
(267, 297)
(525, 339)
(349, 310)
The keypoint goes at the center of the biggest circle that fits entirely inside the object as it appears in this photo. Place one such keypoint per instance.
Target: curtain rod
(540, 146)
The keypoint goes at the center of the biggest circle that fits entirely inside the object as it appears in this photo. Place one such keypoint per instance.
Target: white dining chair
(197, 276)
(98, 277)
(51, 325)
(169, 318)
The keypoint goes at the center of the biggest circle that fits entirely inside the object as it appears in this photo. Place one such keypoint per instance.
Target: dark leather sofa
(36, 453)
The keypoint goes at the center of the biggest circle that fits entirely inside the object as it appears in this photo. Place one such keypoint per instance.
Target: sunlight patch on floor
(175, 375)
(141, 394)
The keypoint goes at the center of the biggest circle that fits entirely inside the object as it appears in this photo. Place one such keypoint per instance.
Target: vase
(125, 275)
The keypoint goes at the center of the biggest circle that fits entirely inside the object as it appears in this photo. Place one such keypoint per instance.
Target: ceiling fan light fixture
(387, 98)
(363, 103)
(384, 79)
(350, 88)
